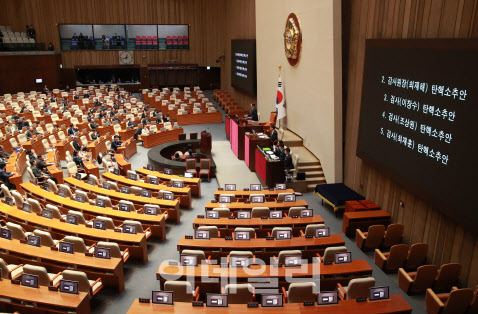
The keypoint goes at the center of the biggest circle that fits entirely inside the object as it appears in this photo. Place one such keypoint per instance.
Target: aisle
(229, 169)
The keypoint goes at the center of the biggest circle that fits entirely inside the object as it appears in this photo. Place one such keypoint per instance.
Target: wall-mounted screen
(417, 117)
(243, 65)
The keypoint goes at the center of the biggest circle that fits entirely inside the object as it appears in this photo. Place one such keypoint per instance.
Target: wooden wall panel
(447, 240)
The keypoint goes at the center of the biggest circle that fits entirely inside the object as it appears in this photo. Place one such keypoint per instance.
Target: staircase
(308, 163)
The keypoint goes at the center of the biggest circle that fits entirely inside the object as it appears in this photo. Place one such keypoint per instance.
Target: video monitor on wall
(243, 65)
(417, 116)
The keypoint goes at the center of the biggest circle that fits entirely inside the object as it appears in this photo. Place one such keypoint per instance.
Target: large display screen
(243, 65)
(418, 112)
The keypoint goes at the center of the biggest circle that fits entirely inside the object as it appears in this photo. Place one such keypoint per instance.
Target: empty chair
(329, 253)
(295, 211)
(371, 239)
(310, 229)
(191, 166)
(139, 227)
(52, 139)
(135, 190)
(300, 292)
(282, 255)
(393, 260)
(240, 253)
(44, 278)
(418, 281)
(13, 142)
(417, 256)
(92, 287)
(17, 231)
(113, 186)
(448, 276)
(275, 229)
(131, 205)
(22, 139)
(45, 238)
(357, 288)
(95, 179)
(201, 256)
(17, 197)
(258, 212)
(109, 224)
(83, 140)
(106, 199)
(168, 125)
(114, 249)
(67, 190)
(232, 196)
(85, 195)
(254, 195)
(281, 196)
(36, 208)
(393, 235)
(182, 291)
(46, 144)
(455, 302)
(213, 231)
(73, 170)
(78, 244)
(242, 293)
(223, 212)
(49, 127)
(252, 231)
(10, 271)
(39, 129)
(6, 190)
(55, 211)
(81, 218)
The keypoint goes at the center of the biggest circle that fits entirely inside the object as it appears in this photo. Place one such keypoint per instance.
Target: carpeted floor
(141, 279)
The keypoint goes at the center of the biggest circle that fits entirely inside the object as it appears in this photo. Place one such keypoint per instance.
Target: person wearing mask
(288, 160)
(3, 153)
(5, 175)
(115, 144)
(253, 114)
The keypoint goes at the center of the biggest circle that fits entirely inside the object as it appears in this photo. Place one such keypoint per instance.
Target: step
(314, 174)
(309, 168)
(308, 163)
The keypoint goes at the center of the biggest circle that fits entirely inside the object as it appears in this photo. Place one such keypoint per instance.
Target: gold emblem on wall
(292, 39)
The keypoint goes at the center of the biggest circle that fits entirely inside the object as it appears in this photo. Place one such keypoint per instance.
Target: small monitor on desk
(30, 281)
(9, 200)
(275, 214)
(72, 219)
(124, 207)
(116, 171)
(162, 297)
(257, 199)
(216, 300)
(33, 240)
(149, 167)
(99, 224)
(168, 196)
(378, 293)
(69, 286)
(133, 176)
(239, 261)
(90, 181)
(283, 235)
(66, 247)
(102, 252)
(289, 198)
(6, 233)
(106, 185)
(150, 210)
(293, 260)
(343, 258)
(256, 187)
(145, 193)
(46, 186)
(230, 187)
(62, 192)
(272, 300)
(27, 207)
(168, 171)
(201, 234)
(224, 199)
(322, 232)
(178, 184)
(212, 214)
(131, 229)
(188, 260)
(242, 235)
(124, 189)
(154, 181)
(78, 176)
(188, 175)
(305, 213)
(244, 214)
(281, 186)
(327, 297)
(79, 197)
(100, 203)
(47, 213)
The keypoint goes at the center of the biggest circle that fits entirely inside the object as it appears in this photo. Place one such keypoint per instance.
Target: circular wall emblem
(292, 39)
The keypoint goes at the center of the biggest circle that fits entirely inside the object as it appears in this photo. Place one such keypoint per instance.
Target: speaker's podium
(269, 170)
(205, 145)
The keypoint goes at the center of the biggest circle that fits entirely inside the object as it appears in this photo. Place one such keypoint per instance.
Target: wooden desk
(262, 248)
(12, 298)
(59, 229)
(199, 118)
(262, 226)
(110, 270)
(155, 139)
(193, 183)
(17, 163)
(129, 149)
(170, 207)
(270, 172)
(396, 305)
(55, 172)
(327, 276)
(97, 146)
(123, 165)
(183, 193)
(364, 219)
(251, 141)
(234, 207)
(237, 132)
(241, 194)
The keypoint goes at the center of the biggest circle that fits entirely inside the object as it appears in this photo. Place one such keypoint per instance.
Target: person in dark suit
(273, 133)
(138, 131)
(176, 157)
(76, 96)
(146, 120)
(282, 151)
(288, 159)
(42, 165)
(93, 125)
(131, 123)
(253, 114)
(77, 145)
(276, 150)
(67, 88)
(77, 160)
(4, 175)
(158, 119)
(29, 133)
(71, 130)
(39, 175)
(30, 155)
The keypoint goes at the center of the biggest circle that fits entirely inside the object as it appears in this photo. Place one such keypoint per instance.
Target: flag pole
(280, 68)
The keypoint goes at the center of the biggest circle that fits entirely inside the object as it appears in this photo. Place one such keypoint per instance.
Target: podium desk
(237, 131)
(262, 226)
(270, 172)
(193, 183)
(17, 163)
(129, 149)
(24, 299)
(55, 172)
(235, 206)
(261, 247)
(208, 277)
(160, 137)
(251, 141)
(109, 270)
(364, 219)
(199, 118)
(244, 195)
(123, 165)
(396, 305)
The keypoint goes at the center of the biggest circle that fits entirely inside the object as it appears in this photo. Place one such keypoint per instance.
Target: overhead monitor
(243, 65)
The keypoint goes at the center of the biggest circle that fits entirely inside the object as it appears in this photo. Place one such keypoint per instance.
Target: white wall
(313, 88)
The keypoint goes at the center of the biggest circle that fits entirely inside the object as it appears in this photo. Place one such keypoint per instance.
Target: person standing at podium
(253, 114)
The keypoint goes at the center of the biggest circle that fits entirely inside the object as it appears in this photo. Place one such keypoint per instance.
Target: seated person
(42, 165)
(94, 135)
(76, 96)
(145, 121)
(93, 125)
(67, 88)
(288, 160)
(77, 145)
(4, 175)
(115, 144)
(131, 123)
(30, 155)
(138, 131)
(158, 119)
(276, 149)
(176, 157)
(71, 130)
(282, 151)
(78, 161)
(39, 175)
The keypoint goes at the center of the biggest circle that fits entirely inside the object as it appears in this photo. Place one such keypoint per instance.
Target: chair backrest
(252, 231)
(52, 139)
(61, 135)
(310, 229)
(85, 195)
(205, 164)
(398, 256)
(295, 211)
(114, 248)
(81, 218)
(275, 229)
(17, 231)
(45, 237)
(6, 191)
(139, 227)
(72, 168)
(66, 188)
(242, 293)
(417, 255)
(182, 290)
(78, 243)
(300, 292)
(83, 140)
(329, 253)
(258, 212)
(213, 231)
(106, 199)
(43, 278)
(223, 212)
(474, 302)
(30, 172)
(131, 205)
(46, 144)
(232, 196)
(113, 185)
(375, 236)
(393, 235)
(73, 275)
(95, 178)
(241, 253)
(36, 208)
(448, 276)
(458, 301)
(191, 164)
(13, 142)
(4, 269)
(284, 253)
(22, 138)
(254, 195)
(17, 197)
(359, 288)
(55, 211)
(200, 254)
(425, 277)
